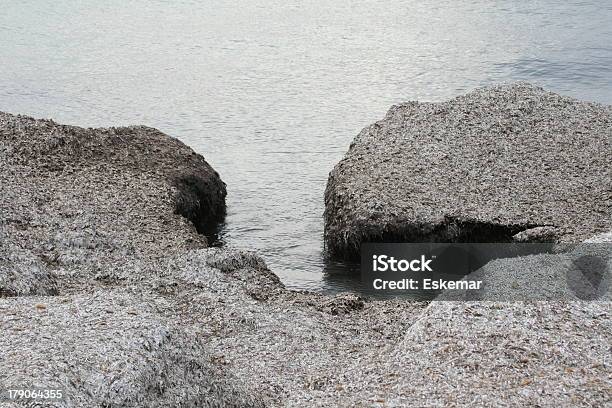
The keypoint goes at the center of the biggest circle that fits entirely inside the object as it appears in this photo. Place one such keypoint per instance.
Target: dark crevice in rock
(202, 202)
(28, 287)
(451, 230)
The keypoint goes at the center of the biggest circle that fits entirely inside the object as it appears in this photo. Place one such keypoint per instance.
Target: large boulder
(124, 159)
(496, 163)
(491, 354)
(80, 202)
(84, 212)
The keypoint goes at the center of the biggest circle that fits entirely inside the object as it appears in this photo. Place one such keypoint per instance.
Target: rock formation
(108, 291)
(497, 163)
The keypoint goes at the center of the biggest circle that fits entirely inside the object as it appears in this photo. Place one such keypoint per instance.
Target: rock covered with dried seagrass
(482, 167)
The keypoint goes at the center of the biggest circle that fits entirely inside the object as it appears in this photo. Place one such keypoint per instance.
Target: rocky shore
(511, 162)
(109, 291)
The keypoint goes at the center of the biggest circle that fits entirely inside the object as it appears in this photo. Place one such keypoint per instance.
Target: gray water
(272, 92)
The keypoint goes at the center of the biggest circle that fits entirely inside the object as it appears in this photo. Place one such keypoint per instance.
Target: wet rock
(482, 167)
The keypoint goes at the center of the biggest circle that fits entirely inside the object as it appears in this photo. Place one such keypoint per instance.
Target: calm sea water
(271, 92)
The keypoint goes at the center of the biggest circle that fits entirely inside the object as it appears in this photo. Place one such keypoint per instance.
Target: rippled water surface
(272, 92)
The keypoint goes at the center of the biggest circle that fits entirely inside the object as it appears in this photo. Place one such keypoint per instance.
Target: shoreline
(113, 280)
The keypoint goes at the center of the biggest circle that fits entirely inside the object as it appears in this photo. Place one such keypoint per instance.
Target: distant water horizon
(272, 92)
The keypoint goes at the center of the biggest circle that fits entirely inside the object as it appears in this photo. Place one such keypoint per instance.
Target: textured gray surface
(110, 349)
(69, 192)
(534, 354)
(85, 212)
(481, 167)
(22, 272)
(145, 315)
